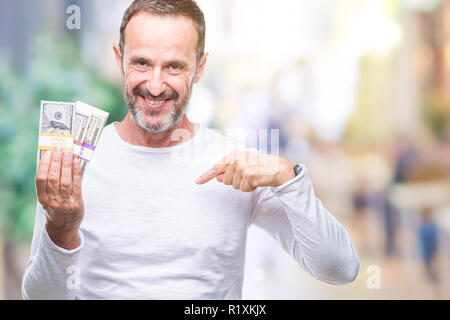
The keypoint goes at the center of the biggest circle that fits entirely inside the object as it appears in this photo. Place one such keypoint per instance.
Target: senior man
(165, 204)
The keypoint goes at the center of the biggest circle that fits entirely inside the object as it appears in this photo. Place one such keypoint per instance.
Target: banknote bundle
(76, 127)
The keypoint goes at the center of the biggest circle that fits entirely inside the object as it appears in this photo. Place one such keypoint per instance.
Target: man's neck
(132, 133)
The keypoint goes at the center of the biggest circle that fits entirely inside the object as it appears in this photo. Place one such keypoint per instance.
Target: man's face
(159, 65)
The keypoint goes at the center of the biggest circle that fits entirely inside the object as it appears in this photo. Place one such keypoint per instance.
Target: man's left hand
(246, 170)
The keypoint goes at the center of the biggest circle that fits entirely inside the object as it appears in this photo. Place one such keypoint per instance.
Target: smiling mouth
(154, 103)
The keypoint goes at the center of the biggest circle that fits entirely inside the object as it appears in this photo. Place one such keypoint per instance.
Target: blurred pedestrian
(428, 242)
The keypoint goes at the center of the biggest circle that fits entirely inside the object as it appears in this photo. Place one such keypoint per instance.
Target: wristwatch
(297, 169)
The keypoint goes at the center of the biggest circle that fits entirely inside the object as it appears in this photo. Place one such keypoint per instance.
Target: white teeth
(153, 101)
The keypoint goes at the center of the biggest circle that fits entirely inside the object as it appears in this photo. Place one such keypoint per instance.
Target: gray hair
(186, 8)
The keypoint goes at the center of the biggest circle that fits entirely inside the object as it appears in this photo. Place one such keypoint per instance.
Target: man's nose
(156, 82)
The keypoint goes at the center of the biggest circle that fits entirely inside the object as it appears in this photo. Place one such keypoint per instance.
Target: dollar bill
(75, 127)
(81, 121)
(82, 116)
(56, 126)
(96, 123)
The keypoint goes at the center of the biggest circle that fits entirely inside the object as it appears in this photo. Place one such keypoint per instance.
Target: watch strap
(297, 169)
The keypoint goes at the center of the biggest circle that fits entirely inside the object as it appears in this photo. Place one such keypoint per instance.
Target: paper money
(82, 117)
(56, 125)
(92, 134)
(75, 127)
(83, 114)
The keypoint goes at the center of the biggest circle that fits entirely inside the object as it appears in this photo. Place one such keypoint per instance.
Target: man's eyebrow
(176, 61)
(136, 58)
(179, 62)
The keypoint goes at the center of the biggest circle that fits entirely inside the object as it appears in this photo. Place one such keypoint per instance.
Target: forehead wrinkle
(167, 59)
(176, 35)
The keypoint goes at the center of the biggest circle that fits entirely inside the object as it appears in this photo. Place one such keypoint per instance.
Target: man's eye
(141, 63)
(175, 67)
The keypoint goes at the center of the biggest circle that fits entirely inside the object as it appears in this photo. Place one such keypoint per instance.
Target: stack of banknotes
(75, 127)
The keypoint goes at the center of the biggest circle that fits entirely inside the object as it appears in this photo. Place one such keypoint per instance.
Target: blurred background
(360, 93)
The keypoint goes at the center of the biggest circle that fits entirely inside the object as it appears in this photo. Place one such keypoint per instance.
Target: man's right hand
(58, 185)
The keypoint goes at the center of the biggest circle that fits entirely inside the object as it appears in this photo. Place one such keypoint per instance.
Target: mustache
(170, 94)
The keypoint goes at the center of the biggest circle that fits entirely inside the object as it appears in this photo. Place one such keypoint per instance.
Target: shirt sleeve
(296, 218)
(51, 272)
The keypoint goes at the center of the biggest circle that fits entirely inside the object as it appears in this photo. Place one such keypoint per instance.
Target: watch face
(297, 169)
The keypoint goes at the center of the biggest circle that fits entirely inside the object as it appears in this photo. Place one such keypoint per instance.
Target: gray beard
(168, 122)
(172, 118)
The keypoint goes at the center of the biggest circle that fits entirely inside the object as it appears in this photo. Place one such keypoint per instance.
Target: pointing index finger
(211, 173)
(218, 168)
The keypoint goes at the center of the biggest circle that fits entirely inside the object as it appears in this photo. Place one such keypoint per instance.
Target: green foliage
(54, 72)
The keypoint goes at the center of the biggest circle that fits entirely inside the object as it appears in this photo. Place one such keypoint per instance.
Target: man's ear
(201, 67)
(118, 56)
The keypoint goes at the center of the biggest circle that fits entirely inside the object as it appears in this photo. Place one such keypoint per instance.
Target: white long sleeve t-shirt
(150, 232)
